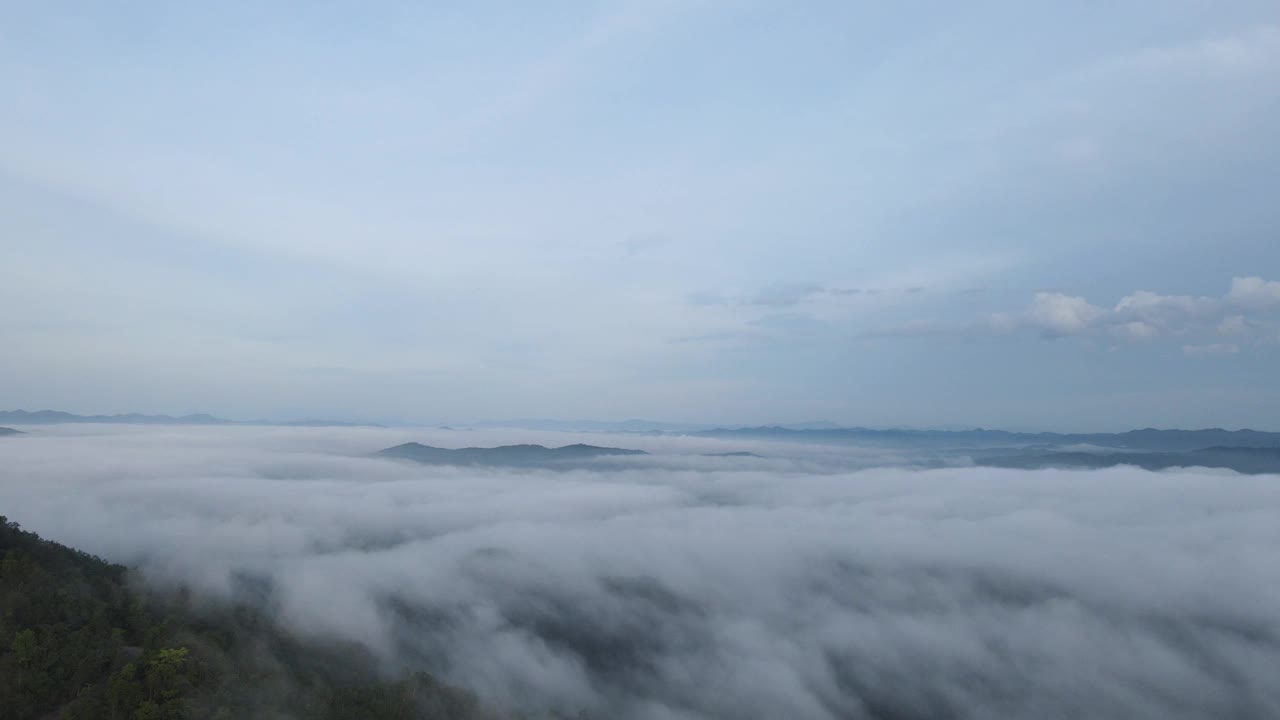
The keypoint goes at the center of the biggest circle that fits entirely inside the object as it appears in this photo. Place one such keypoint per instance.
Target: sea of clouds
(686, 586)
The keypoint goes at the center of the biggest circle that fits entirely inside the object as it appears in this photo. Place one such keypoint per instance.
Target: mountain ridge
(1154, 439)
(526, 455)
(60, 417)
(1139, 439)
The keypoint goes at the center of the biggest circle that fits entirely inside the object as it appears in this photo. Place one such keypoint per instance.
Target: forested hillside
(77, 642)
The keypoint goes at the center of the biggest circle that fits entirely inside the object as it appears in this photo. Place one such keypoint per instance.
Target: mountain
(1249, 460)
(594, 426)
(321, 423)
(50, 417)
(53, 417)
(812, 425)
(1145, 439)
(655, 427)
(9, 431)
(505, 455)
(79, 640)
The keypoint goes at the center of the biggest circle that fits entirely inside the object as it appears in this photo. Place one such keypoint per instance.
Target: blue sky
(1016, 214)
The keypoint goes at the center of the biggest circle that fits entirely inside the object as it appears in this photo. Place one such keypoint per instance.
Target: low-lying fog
(688, 586)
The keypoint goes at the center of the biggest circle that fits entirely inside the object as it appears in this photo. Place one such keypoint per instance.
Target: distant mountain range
(1249, 460)
(55, 417)
(593, 426)
(504, 456)
(50, 417)
(654, 427)
(1145, 439)
(1244, 451)
(968, 441)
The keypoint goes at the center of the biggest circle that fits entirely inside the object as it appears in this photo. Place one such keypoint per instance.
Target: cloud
(1057, 314)
(663, 593)
(913, 328)
(1253, 49)
(1166, 312)
(1210, 349)
(791, 294)
(1142, 315)
(1233, 325)
(1254, 293)
(1052, 314)
(786, 295)
(1136, 330)
(1183, 314)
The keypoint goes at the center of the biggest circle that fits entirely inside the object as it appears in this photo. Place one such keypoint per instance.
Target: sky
(1007, 214)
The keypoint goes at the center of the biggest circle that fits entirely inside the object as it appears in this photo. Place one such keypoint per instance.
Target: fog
(687, 586)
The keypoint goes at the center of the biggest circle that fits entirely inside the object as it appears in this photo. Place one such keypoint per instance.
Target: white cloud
(1210, 349)
(670, 594)
(1254, 49)
(1058, 314)
(1145, 315)
(786, 294)
(1233, 325)
(1254, 293)
(1136, 330)
(1167, 312)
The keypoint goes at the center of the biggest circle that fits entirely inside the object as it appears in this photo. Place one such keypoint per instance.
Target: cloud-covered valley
(690, 586)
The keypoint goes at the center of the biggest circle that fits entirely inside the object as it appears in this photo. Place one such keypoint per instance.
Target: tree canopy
(79, 642)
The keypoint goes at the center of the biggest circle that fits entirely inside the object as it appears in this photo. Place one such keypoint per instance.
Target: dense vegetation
(77, 642)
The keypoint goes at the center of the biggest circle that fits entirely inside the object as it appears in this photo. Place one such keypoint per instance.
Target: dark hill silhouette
(505, 455)
(50, 417)
(82, 640)
(55, 417)
(1144, 439)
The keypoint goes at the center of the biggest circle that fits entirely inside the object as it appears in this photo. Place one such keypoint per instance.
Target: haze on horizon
(1003, 214)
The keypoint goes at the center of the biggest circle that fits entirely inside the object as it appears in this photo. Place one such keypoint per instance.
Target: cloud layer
(723, 592)
(1146, 315)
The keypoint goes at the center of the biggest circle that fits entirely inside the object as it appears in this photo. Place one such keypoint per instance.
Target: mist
(815, 583)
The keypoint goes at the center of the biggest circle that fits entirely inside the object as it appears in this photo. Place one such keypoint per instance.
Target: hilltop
(79, 641)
